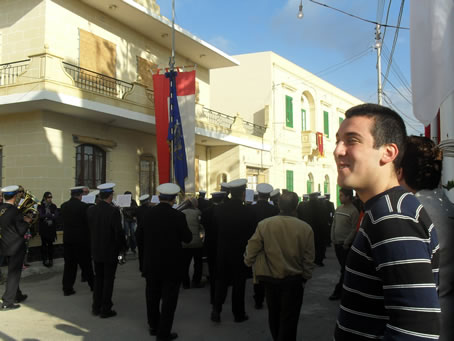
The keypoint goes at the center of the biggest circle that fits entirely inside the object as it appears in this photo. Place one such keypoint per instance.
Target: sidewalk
(48, 315)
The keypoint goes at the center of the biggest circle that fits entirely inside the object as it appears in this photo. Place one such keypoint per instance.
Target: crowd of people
(392, 241)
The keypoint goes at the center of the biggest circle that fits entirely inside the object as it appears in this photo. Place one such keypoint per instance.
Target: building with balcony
(301, 113)
(76, 98)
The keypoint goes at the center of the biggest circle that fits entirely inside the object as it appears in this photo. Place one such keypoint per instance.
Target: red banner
(319, 137)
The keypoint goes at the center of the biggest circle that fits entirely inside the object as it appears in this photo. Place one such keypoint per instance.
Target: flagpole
(172, 66)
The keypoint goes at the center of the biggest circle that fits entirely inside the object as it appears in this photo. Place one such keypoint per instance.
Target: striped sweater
(391, 274)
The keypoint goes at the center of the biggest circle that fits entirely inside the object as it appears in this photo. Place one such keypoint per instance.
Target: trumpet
(28, 207)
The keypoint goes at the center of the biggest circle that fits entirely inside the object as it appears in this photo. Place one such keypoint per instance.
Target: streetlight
(300, 11)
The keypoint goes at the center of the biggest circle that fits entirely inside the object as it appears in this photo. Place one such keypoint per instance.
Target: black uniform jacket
(164, 229)
(74, 218)
(263, 209)
(107, 236)
(211, 231)
(12, 229)
(236, 224)
(140, 215)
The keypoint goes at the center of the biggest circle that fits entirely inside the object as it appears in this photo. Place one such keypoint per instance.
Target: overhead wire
(344, 63)
(396, 35)
(392, 105)
(396, 71)
(357, 17)
(387, 18)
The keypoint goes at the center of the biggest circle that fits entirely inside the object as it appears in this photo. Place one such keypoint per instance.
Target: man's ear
(389, 153)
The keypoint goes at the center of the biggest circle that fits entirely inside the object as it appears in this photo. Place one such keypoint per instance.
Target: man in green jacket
(282, 252)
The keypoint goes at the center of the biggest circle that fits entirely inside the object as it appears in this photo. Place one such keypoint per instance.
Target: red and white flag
(185, 83)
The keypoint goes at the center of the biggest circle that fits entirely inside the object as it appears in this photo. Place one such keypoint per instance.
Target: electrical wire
(344, 63)
(380, 9)
(396, 71)
(396, 35)
(400, 93)
(387, 18)
(392, 105)
(357, 17)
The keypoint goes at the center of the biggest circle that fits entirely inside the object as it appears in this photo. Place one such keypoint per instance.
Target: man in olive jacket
(107, 241)
(282, 252)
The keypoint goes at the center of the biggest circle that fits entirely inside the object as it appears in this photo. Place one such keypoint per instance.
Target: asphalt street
(48, 315)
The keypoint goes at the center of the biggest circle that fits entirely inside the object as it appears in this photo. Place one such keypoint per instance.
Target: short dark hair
(9, 196)
(105, 195)
(288, 202)
(237, 192)
(347, 192)
(388, 126)
(422, 163)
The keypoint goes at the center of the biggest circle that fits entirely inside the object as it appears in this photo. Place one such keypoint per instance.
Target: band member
(140, 214)
(107, 241)
(76, 241)
(13, 226)
(164, 230)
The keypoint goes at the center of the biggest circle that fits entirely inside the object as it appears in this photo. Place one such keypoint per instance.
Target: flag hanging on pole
(185, 94)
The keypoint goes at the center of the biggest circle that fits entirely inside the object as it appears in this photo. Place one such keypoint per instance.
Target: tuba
(28, 207)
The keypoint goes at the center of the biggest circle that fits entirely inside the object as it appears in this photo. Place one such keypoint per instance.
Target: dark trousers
(341, 255)
(47, 249)
(74, 255)
(188, 255)
(212, 274)
(259, 293)
(284, 300)
(104, 284)
(162, 299)
(238, 288)
(14, 272)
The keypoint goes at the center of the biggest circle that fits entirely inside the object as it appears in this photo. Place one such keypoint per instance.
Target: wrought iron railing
(10, 71)
(254, 129)
(216, 118)
(97, 82)
(225, 121)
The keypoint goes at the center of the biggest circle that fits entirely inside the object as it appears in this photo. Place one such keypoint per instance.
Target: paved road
(48, 315)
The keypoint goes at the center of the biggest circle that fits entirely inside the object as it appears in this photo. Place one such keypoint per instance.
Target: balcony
(132, 101)
(309, 145)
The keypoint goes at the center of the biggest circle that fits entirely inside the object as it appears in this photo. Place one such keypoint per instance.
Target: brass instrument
(28, 207)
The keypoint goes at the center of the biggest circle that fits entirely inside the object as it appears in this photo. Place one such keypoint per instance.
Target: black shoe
(153, 331)
(69, 292)
(197, 285)
(20, 298)
(51, 263)
(107, 314)
(241, 318)
(216, 316)
(172, 336)
(319, 263)
(12, 306)
(95, 312)
(258, 305)
(335, 296)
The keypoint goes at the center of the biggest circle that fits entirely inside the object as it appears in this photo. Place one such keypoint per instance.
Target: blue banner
(175, 135)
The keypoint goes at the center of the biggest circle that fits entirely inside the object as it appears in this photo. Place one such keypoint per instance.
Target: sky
(334, 46)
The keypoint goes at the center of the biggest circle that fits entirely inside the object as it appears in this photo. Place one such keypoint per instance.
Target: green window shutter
(341, 119)
(326, 123)
(309, 185)
(289, 111)
(289, 180)
(303, 120)
(325, 187)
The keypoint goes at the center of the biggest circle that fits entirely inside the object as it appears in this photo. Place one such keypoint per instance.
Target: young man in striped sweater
(391, 273)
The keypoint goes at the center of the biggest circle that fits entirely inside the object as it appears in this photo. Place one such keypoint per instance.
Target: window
(221, 178)
(326, 185)
(147, 175)
(289, 182)
(326, 123)
(255, 176)
(310, 183)
(90, 166)
(303, 120)
(289, 111)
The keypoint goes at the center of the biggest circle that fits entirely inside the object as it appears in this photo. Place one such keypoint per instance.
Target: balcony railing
(10, 71)
(97, 82)
(225, 121)
(216, 118)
